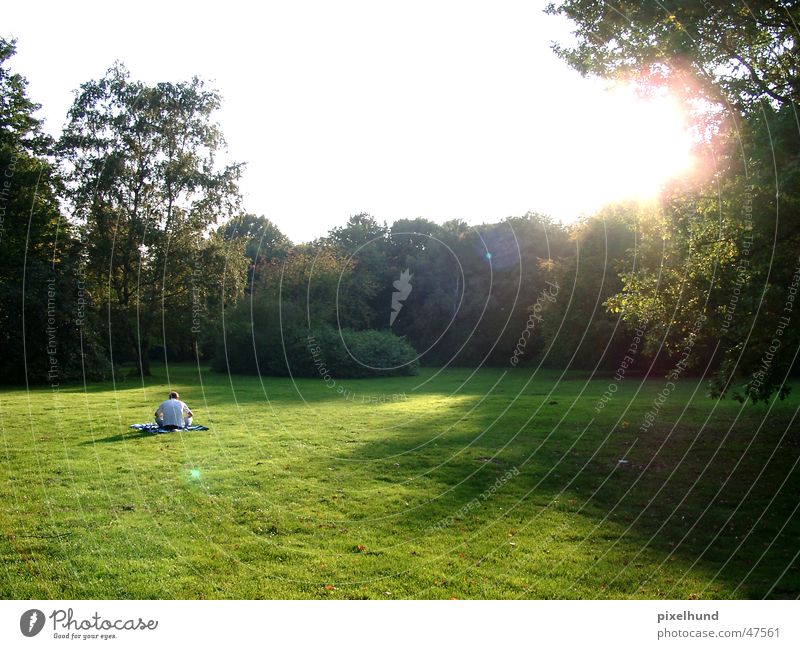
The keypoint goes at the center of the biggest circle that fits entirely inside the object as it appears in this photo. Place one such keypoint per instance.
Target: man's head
(174, 395)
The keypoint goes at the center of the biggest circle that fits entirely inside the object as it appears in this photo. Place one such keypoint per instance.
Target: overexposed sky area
(404, 109)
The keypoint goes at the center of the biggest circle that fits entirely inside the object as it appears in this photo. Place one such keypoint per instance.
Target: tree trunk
(141, 349)
(143, 366)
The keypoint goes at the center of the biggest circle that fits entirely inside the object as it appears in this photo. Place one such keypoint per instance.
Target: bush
(261, 339)
(358, 354)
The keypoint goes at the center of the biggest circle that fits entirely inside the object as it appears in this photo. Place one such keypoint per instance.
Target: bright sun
(644, 143)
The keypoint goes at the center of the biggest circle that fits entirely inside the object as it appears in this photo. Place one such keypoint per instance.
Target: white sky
(403, 109)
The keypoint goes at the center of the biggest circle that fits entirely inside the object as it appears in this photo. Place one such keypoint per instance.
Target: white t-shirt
(173, 411)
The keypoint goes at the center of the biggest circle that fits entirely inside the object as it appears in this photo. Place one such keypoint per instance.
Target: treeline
(125, 241)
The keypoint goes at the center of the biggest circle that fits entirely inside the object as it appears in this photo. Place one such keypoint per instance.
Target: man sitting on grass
(173, 413)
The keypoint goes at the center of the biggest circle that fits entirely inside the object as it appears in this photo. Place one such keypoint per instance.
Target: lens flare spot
(194, 474)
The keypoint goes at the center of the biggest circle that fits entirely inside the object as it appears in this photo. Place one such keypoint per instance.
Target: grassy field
(446, 485)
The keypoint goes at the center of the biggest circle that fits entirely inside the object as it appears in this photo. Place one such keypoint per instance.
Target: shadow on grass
(135, 434)
(724, 521)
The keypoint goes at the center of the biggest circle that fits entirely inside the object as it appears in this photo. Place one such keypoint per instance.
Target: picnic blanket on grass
(153, 428)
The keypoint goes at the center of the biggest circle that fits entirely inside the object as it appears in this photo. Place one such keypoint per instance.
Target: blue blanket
(153, 428)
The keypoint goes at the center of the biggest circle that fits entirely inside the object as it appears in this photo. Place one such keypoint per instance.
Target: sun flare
(644, 143)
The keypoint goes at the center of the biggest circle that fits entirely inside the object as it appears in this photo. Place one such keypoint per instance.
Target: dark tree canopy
(42, 333)
(739, 53)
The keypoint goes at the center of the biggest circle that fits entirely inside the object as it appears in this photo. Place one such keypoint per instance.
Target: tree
(290, 299)
(472, 287)
(726, 251)
(579, 330)
(45, 313)
(736, 54)
(364, 243)
(263, 238)
(719, 266)
(146, 189)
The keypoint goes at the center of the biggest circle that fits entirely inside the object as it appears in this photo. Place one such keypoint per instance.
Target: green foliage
(473, 287)
(365, 247)
(579, 330)
(263, 239)
(145, 187)
(348, 354)
(711, 48)
(164, 254)
(716, 265)
(48, 326)
(254, 337)
(270, 337)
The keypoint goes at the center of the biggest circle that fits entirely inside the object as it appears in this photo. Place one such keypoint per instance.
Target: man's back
(173, 411)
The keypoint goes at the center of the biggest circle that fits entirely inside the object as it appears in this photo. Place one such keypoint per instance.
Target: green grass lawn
(449, 484)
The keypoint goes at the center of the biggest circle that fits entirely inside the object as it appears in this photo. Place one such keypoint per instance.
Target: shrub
(261, 339)
(358, 354)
